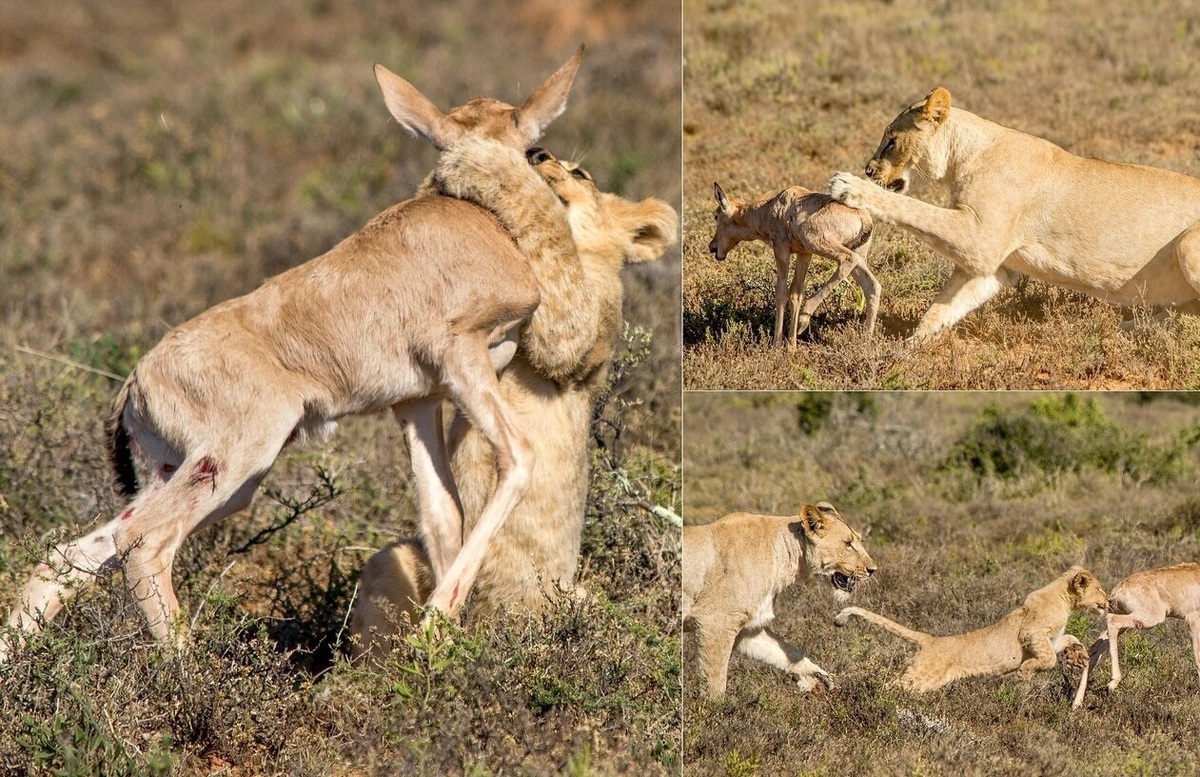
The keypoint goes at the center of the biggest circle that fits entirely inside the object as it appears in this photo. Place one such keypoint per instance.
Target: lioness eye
(891, 142)
(581, 174)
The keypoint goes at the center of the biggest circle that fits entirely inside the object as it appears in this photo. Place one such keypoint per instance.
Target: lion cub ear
(1082, 581)
(937, 106)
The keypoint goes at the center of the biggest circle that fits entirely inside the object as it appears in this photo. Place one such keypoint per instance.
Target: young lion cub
(1027, 640)
(536, 553)
(734, 567)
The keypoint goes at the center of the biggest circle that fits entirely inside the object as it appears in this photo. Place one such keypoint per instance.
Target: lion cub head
(833, 549)
(1085, 591)
(603, 224)
(906, 141)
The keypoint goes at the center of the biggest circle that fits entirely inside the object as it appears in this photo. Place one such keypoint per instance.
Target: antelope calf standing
(1142, 601)
(801, 222)
(423, 304)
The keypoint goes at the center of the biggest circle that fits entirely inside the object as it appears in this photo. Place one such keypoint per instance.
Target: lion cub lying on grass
(1027, 640)
(734, 567)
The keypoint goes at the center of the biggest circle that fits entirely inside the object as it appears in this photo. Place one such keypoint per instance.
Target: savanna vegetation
(159, 158)
(774, 97)
(968, 501)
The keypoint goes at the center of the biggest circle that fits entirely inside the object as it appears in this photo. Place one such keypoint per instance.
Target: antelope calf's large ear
(722, 200)
(414, 112)
(549, 100)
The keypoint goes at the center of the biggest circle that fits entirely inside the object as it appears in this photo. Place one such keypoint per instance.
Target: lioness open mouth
(842, 582)
(896, 186)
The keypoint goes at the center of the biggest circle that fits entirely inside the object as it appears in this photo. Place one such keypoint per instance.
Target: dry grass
(968, 501)
(775, 98)
(159, 159)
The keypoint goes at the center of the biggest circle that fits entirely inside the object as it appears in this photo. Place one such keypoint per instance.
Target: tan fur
(1126, 234)
(422, 305)
(735, 567)
(801, 222)
(558, 337)
(535, 555)
(1142, 601)
(1026, 640)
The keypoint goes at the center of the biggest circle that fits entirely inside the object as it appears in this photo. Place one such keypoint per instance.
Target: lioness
(734, 567)
(1126, 234)
(1027, 640)
(536, 553)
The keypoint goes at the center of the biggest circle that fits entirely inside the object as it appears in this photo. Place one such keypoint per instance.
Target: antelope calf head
(481, 116)
(728, 230)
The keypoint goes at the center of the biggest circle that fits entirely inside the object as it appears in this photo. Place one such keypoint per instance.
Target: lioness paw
(818, 683)
(846, 188)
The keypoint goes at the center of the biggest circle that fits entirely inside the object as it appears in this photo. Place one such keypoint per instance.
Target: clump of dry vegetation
(968, 501)
(774, 98)
(160, 159)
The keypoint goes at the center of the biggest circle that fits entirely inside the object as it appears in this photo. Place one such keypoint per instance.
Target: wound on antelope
(206, 469)
(125, 516)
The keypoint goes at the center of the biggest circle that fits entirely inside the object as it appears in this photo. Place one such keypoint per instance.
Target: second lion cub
(734, 567)
(1026, 640)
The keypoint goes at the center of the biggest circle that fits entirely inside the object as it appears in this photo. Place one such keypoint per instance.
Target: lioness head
(603, 224)
(1085, 591)
(833, 549)
(906, 141)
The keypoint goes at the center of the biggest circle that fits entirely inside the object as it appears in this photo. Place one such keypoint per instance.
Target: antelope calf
(1142, 601)
(801, 222)
(423, 304)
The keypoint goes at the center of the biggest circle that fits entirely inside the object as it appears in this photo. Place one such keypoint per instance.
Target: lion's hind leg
(929, 671)
(1187, 254)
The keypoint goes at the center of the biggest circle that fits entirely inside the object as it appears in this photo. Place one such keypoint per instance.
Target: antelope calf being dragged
(1142, 601)
(423, 304)
(801, 222)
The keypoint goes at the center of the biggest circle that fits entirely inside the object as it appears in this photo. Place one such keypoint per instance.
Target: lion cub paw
(846, 188)
(1076, 657)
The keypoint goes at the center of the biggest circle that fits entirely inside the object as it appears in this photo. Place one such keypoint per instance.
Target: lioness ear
(812, 521)
(937, 106)
(722, 200)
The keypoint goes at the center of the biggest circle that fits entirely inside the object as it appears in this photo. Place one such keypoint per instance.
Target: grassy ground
(774, 98)
(161, 158)
(968, 501)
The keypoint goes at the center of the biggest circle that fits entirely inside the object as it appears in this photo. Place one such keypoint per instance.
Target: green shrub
(1059, 434)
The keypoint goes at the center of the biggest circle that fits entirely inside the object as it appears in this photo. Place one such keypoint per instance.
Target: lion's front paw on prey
(845, 188)
(1076, 657)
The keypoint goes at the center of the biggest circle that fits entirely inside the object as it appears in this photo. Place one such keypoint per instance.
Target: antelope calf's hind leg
(205, 489)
